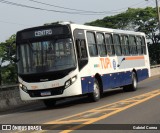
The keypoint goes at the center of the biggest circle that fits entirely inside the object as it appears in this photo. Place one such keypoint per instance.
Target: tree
(8, 67)
(139, 19)
(144, 20)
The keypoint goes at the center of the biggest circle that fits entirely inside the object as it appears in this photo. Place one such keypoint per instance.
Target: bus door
(81, 48)
(82, 58)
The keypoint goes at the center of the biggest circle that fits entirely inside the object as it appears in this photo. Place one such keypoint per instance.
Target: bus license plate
(46, 93)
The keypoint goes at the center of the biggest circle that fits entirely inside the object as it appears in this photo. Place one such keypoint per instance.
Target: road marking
(102, 112)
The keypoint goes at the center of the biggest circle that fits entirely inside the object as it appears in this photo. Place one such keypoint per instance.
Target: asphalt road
(116, 107)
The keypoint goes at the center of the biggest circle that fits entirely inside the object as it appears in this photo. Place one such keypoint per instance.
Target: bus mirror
(10, 48)
(120, 62)
(16, 60)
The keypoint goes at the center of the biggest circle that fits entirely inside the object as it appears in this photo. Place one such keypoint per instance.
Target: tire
(133, 86)
(95, 95)
(49, 103)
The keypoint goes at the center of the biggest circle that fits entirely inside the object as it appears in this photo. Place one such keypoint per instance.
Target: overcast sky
(14, 18)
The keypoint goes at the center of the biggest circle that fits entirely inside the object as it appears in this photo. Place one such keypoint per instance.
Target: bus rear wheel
(49, 103)
(95, 95)
(133, 86)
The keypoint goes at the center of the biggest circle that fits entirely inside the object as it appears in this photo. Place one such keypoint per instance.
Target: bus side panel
(87, 84)
(142, 74)
(116, 79)
(127, 77)
(107, 80)
(119, 79)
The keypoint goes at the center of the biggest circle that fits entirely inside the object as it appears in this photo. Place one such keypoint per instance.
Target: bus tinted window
(83, 49)
(110, 46)
(92, 44)
(101, 44)
(125, 45)
(139, 45)
(132, 45)
(117, 44)
(143, 45)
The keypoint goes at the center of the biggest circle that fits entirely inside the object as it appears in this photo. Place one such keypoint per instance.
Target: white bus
(64, 60)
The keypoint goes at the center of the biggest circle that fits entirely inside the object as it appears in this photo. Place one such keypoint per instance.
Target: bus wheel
(134, 85)
(49, 103)
(95, 95)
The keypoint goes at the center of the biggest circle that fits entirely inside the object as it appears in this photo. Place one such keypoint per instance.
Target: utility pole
(157, 6)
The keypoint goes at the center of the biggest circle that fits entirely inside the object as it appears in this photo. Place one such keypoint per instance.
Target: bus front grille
(46, 92)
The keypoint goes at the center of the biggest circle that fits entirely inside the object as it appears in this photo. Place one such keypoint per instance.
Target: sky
(16, 15)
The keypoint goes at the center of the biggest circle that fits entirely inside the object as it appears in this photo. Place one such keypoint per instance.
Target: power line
(43, 9)
(129, 6)
(146, 4)
(84, 11)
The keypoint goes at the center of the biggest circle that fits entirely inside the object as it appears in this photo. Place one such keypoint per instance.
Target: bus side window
(117, 44)
(78, 49)
(125, 45)
(81, 53)
(139, 45)
(92, 44)
(110, 46)
(101, 44)
(133, 45)
(143, 45)
(83, 49)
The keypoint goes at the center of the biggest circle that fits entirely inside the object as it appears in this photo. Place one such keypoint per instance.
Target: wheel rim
(134, 81)
(96, 90)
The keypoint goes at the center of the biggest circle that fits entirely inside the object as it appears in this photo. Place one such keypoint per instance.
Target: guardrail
(10, 98)
(155, 66)
(8, 87)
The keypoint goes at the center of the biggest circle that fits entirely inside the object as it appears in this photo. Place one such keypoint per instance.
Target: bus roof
(86, 27)
(102, 29)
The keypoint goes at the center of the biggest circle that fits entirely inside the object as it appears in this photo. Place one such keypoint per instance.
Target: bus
(63, 60)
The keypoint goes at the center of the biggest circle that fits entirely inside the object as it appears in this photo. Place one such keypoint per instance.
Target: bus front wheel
(133, 86)
(95, 95)
(49, 103)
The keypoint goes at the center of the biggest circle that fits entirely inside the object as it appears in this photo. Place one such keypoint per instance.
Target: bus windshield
(46, 56)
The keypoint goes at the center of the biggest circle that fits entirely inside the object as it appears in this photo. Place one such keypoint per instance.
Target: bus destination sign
(43, 33)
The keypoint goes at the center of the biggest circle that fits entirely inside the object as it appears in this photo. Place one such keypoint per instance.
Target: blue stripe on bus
(142, 74)
(112, 80)
(87, 84)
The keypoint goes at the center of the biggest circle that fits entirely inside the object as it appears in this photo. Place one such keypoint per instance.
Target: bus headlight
(24, 88)
(73, 79)
(70, 81)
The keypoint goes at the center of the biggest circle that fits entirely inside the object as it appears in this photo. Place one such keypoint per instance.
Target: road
(115, 107)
